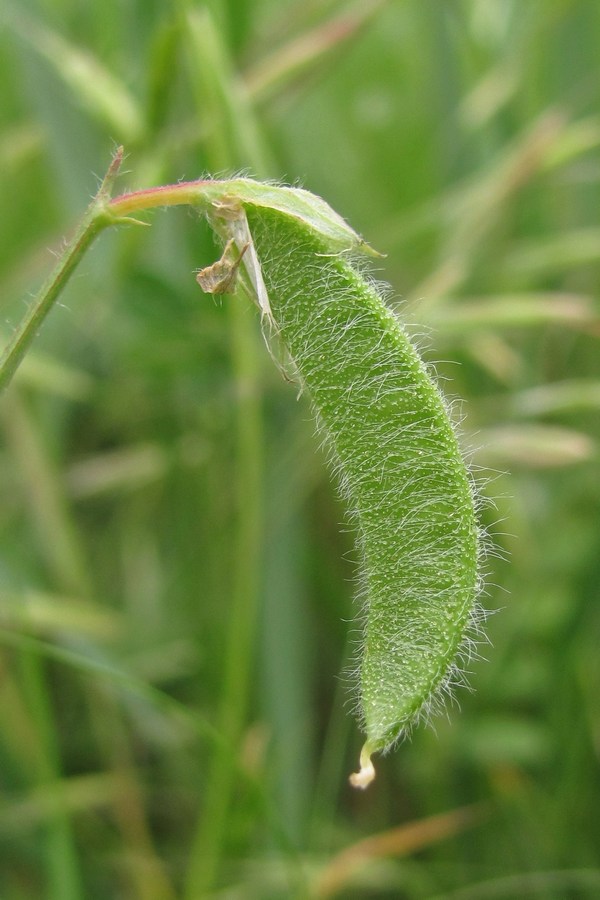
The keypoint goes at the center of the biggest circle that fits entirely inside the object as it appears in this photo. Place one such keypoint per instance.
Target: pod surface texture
(400, 468)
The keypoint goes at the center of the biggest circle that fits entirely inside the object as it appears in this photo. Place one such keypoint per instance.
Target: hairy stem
(95, 220)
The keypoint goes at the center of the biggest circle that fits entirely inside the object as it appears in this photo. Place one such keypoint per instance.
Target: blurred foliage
(175, 588)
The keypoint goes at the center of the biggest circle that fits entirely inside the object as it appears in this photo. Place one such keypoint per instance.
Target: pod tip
(363, 778)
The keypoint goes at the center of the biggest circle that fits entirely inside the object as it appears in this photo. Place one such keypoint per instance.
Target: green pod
(391, 439)
(394, 449)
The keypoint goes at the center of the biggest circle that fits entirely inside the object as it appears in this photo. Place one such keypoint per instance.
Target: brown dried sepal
(221, 276)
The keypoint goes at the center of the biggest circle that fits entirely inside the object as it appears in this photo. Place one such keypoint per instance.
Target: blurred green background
(176, 576)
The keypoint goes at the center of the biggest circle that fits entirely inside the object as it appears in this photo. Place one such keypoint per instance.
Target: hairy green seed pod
(393, 446)
(387, 425)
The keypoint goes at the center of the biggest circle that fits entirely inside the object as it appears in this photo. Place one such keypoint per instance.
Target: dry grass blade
(343, 868)
(36, 612)
(518, 310)
(540, 257)
(534, 446)
(301, 54)
(79, 794)
(99, 90)
(561, 397)
(482, 203)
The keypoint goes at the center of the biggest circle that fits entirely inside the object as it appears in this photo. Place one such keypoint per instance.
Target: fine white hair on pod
(392, 445)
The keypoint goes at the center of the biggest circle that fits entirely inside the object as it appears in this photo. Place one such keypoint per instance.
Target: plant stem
(22, 338)
(94, 221)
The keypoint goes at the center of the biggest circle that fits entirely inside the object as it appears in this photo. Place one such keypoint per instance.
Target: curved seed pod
(387, 425)
(392, 444)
